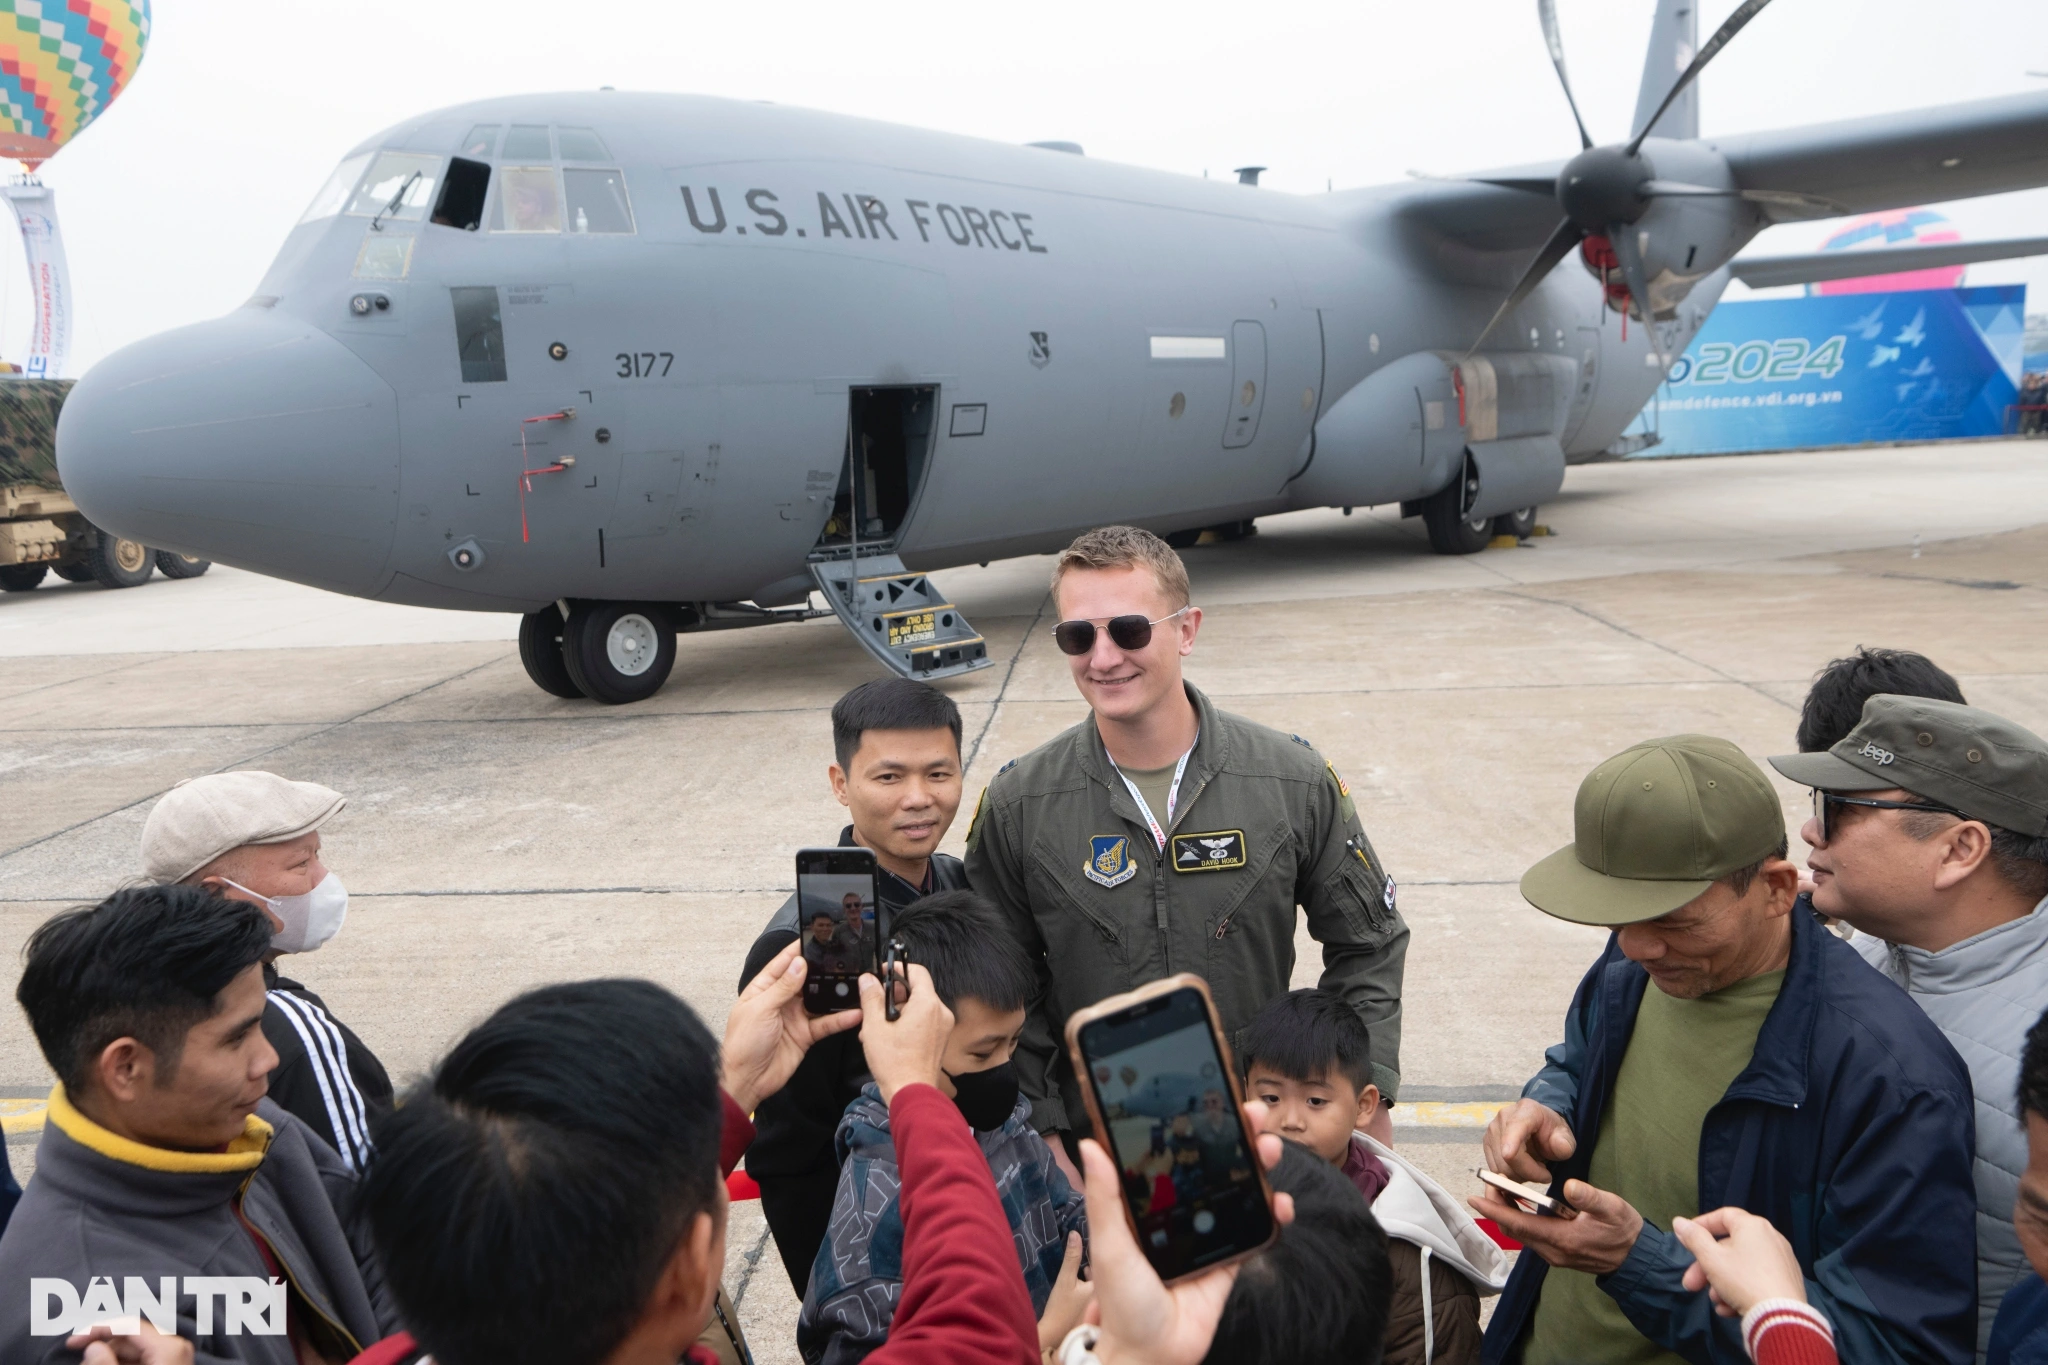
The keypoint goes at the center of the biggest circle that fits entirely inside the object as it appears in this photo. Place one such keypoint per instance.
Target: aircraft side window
(581, 144)
(462, 196)
(482, 141)
(335, 192)
(529, 200)
(528, 142)
(479, 334)
(399, 187)
(597, 200)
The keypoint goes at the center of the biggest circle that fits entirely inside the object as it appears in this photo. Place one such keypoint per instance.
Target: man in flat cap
(255, 836)
(1725, 1051)
(1930, 835)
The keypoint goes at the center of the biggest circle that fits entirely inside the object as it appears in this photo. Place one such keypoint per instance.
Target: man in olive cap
(1930, 836)
(255, 836)
(1769, 1068)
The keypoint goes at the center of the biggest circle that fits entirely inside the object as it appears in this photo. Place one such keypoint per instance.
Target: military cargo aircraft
(639, 364)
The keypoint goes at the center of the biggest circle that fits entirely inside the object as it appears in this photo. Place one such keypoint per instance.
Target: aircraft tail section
(1674, 39)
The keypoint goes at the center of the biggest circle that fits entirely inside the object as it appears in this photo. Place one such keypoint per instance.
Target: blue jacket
(1851, 1129)
(2020, 1335)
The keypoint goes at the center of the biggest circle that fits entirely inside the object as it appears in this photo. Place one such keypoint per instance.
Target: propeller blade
(1803, 205)
(1622, 236)
(1527, 183)
(1546, 12)
(1562, 240)
(1744, 12)
(1679, 189)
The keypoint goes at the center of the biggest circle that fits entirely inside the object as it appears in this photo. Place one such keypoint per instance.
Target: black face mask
(985, 1098)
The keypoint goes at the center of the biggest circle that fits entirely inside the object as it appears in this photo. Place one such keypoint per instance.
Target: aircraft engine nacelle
(1695, 222)
(1393, 436)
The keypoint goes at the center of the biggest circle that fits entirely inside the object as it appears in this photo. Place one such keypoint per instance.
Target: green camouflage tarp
(28, 430)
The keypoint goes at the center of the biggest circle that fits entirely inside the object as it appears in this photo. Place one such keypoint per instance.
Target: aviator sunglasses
(1824, 803)
(1125, 632)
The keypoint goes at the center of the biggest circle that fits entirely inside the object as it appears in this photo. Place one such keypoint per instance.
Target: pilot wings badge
(1109, 860)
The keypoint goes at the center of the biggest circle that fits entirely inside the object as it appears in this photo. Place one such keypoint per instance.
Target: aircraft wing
(1888, 161)
(1761, 272)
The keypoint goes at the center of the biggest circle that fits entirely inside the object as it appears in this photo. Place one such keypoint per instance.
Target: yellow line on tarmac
(23, 1116)
(1441, 1114)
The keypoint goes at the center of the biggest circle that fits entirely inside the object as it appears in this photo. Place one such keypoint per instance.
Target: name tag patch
(1215, 851)
(1109, 860)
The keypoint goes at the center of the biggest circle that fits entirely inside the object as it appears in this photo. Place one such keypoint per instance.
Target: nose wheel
(618, 652)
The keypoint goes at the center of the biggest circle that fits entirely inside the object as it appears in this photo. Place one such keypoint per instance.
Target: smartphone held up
(838, 922)
(1162, 1092)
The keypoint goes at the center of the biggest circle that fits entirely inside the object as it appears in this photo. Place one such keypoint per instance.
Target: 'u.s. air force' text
(864, 217)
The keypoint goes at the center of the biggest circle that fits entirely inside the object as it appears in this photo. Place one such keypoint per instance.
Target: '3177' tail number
(644, 364)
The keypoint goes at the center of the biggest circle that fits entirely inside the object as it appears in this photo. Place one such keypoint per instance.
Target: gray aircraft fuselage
(736, 270)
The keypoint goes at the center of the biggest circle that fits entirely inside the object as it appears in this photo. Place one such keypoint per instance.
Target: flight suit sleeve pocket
(1364, 893)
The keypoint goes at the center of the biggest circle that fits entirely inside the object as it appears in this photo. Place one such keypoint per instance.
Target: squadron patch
(1109, 860)
(1342, 788)
(1216, 851)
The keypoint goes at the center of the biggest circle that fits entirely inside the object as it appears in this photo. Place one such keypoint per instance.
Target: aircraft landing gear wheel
(1451, 532)
(618, 652)
(21, 577)
(171, 564)
(540, 649)
(1182, 540)
(117, 563)
(1521, 523)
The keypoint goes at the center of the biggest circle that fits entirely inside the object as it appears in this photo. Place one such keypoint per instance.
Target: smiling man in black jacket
(898, 775)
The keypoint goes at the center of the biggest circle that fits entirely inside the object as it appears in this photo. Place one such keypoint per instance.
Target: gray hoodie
(1984, 994)
(108, 1224)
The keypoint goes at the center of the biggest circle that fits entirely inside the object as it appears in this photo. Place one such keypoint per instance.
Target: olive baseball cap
(1655, 826)
(1953, 755)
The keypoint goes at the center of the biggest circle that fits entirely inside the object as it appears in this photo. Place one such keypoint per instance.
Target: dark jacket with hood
(1851, 1130)
(326, 1077)
(104, 1207)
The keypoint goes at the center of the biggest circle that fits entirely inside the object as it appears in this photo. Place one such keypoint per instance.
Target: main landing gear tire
(1520, 524)
(540, 649)
(117, 563)
(1451, 531)
(618, 652)
(21, 577)
(171, 564)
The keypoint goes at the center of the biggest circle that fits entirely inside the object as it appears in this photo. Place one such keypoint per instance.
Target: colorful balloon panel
(62, 62)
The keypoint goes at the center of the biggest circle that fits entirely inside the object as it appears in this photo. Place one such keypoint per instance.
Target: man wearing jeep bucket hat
(1930, 836)
(1724, 1050)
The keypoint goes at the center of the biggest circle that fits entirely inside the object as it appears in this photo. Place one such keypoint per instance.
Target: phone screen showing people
(1178, 1140)
(836, 909)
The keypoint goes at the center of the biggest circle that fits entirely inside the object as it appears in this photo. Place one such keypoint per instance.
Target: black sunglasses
(1823, 801)
(1125, 632)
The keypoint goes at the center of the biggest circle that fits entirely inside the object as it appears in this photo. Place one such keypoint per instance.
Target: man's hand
(906, 1052)
(1143, 1321)
(147, 1347)
(769, 1030)
(1753, 1262)
(1524, 1137)
(1069, 1299)
(1597, 1241)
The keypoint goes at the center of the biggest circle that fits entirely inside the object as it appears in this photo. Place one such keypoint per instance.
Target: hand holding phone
(1527, 1198)
(906, 1051)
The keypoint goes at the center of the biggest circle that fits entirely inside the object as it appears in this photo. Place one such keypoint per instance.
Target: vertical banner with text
(35, 208)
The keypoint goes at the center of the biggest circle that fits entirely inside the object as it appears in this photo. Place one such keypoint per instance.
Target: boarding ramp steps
(899, 616)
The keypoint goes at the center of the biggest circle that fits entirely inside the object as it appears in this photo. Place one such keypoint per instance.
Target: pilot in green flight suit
(1162, 835)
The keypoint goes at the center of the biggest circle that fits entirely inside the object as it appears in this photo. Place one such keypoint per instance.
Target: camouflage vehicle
(40, 527)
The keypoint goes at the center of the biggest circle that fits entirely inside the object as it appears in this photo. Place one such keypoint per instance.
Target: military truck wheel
(618, 652)
(117, 563)
(1451, 531)
(74, 573)
(540, 649)
(1520, 524)
(171, 564)
(21, 577)
(1182, 540)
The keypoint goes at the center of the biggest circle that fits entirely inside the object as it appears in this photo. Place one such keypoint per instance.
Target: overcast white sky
(175, 201)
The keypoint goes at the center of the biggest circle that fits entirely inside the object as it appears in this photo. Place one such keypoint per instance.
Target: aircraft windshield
(597, 201)
(334, 193)
(528, 200)
(403, 177)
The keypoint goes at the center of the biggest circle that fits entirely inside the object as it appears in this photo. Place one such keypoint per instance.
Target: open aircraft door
(1247, 384)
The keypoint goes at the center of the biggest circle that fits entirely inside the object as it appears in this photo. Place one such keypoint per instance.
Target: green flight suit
(1262, 825)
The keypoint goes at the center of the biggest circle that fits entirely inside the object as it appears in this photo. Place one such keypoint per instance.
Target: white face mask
(309, 920)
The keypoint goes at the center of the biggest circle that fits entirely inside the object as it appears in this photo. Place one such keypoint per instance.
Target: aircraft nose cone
(254, 439)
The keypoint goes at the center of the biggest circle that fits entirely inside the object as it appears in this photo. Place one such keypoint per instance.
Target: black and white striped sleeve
(348, 1117)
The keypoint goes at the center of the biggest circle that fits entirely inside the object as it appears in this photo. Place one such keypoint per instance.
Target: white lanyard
(1172, 794)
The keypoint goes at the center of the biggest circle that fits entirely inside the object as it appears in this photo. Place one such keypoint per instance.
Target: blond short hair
(1125, 547)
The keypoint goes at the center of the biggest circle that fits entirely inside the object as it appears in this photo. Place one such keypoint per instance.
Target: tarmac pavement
(498, 838)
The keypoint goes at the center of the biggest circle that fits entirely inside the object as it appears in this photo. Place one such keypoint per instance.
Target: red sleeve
(1787, 1340)
(733, 1136)
(964, 1301)
(393, 1350)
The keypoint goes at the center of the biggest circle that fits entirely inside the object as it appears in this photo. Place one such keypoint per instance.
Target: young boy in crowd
(1308, 1058)
(984, 977)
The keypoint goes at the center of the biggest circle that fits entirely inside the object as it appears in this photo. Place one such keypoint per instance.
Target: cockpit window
(399, 187)
(335, 192)
(528, 142)
(479, 334)
(597, 200)
(581, 144)
(462, 198)
(482, 141)
(529, 200)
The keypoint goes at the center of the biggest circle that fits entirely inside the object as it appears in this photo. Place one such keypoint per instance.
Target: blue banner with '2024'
(1846, 369)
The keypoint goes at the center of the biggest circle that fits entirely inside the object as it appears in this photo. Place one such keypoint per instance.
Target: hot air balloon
(62, 62)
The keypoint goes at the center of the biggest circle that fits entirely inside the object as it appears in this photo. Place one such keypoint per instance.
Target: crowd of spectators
(1792, 1116)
